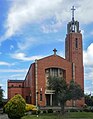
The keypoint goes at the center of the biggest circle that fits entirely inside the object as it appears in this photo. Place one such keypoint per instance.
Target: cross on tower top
(73, 9)
(54, 51)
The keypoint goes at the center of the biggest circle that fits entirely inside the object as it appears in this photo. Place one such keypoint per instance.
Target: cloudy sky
(31, 29)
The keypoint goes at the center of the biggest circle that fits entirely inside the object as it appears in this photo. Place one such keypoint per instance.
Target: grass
(84, 115)
(70, 115)
(45, 116)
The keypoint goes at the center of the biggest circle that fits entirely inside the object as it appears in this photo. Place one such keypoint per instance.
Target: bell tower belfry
(73, 26)
(74, 50)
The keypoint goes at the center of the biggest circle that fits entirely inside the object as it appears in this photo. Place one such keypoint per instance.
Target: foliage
(34, 112)
(15, 107)
(60, 86)
(75, 91)
(50, 111)
(63, 91)
(73, 110)
(30, 107)
(44, 111)
(89, 100)
(88, 109)
(1, 96)
(39, 111)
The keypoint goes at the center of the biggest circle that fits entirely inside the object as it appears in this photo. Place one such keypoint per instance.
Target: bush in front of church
(15, 107)
(30, 107)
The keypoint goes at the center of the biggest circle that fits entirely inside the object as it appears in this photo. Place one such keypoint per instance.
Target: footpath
(3, 116)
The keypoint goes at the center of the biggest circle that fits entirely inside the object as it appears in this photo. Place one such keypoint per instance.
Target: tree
(88, 100)
(1, 96)
(76, 92)
(15, 107)
(63, 91)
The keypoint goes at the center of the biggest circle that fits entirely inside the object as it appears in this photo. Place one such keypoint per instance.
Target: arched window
(56, 72)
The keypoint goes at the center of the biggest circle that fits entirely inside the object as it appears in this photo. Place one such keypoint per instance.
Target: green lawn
(71, 115)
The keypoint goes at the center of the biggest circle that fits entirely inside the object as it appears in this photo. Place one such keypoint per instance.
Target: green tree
(1, 96)
(63, 91)
(88, 100)
(15, 107)
(76, 93)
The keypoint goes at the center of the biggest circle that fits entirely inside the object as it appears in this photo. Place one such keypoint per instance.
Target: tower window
(40, 97)
(19, 85)
(12, 86)
(76, 43)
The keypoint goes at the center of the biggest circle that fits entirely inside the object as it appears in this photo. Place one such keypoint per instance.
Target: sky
(31, 29)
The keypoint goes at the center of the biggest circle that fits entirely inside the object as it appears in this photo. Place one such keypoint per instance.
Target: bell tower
(74, 50)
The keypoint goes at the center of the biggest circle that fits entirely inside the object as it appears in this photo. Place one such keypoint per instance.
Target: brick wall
(50, 62)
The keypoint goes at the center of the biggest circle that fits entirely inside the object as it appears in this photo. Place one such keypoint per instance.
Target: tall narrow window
(19, 85)
(12, 86)
(40, 97)
(76, 43)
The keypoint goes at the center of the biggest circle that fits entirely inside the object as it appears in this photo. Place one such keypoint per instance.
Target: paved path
(3, 116)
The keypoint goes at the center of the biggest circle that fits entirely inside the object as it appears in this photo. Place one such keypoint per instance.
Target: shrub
(38, 111)
(15, 107)
(30, 107)
(88, 109)
(50, 111)
(74, 110)
(44, 111)
(34, 112)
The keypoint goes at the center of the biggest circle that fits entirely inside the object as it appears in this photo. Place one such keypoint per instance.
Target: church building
(34, 87)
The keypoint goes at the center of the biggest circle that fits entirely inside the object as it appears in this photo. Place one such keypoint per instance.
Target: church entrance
(51, 100)
(48, 100)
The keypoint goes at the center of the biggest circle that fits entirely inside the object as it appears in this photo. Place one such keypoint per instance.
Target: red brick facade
(34, 87)
(14, 87)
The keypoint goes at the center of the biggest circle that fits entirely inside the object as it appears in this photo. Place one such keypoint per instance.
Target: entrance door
(47, 100)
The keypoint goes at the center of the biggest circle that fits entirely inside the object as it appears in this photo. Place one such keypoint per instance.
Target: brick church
(34, 87)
